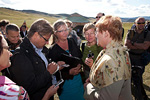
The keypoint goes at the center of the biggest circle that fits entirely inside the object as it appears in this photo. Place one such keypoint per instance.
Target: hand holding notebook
(72, 61)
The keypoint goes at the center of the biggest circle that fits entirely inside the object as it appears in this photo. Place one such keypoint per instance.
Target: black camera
(90, 55)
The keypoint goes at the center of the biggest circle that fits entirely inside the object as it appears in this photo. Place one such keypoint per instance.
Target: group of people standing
(105, 61)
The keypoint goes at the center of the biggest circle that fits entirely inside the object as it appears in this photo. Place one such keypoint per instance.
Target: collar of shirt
(24, 33)
(39, 52)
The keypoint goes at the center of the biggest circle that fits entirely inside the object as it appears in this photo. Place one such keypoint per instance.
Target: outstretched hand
(50, 92)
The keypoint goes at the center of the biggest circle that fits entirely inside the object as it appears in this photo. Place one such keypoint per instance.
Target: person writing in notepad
(72, 88)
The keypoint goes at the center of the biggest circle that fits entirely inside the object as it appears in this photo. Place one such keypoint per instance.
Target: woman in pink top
(8, 89)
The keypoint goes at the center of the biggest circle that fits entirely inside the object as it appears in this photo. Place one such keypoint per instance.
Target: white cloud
(6, 1)
(122, 8)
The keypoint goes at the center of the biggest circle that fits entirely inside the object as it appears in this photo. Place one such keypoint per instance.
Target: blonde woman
(72, 88)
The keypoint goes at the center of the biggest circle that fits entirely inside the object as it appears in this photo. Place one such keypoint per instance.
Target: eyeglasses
(141, 23)
(98, 17)
(43, 37)
(63, 30)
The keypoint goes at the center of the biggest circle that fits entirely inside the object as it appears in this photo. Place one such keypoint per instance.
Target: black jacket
(22, 35)
(28, 70)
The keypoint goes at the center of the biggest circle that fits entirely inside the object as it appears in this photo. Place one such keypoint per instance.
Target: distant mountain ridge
(38, 12)
(52, 15)
(131, 19)
(134, 18)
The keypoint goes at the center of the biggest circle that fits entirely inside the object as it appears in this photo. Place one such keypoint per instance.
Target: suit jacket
(29, 70)
(22, 35)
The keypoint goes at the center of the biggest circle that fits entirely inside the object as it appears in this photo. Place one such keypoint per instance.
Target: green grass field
(126, 26)
(146, 80)
(19, 17)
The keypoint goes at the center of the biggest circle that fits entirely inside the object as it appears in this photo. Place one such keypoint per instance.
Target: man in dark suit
(23, 33)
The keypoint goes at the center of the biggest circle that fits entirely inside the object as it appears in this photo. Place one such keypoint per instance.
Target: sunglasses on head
(98, 16)
(141, 23)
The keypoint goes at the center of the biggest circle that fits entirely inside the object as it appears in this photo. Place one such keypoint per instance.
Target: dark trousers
(137, 84)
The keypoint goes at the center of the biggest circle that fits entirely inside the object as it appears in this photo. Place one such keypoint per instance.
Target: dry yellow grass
(18, 17)
(146, 80)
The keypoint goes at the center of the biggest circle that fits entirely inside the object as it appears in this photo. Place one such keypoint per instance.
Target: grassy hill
(19, 17)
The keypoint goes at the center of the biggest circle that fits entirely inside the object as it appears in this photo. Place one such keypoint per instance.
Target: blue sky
(121, 8)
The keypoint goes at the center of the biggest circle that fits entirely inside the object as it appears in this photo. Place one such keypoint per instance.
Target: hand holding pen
(53, 67)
